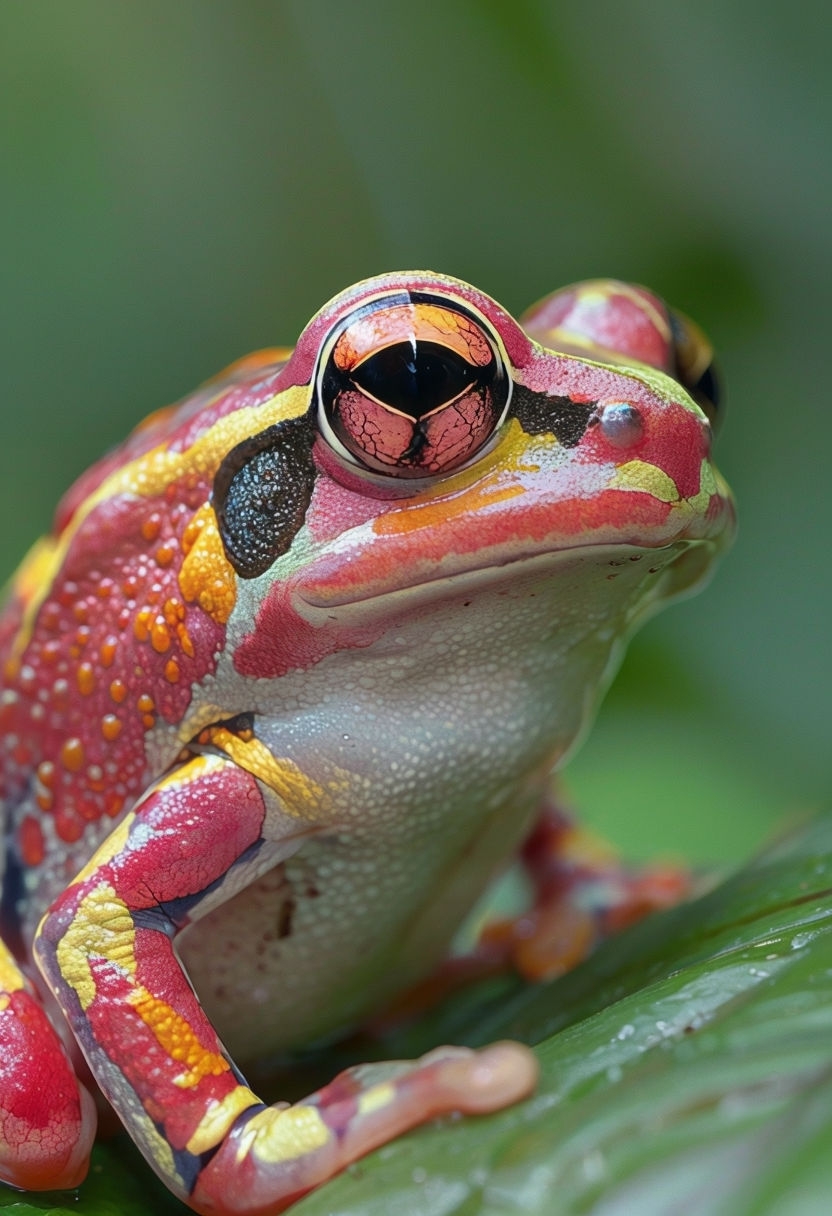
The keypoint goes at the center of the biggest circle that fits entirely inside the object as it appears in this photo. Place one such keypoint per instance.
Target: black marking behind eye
(262, 492)
(540, 414)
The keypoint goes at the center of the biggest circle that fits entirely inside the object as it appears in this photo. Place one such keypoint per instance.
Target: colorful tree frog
(282, 692)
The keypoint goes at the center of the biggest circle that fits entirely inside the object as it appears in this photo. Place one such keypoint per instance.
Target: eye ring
(411, 385)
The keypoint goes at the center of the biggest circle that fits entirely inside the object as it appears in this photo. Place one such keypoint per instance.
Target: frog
(281, 695)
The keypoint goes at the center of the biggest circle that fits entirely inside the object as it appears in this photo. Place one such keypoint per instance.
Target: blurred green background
(182, 183)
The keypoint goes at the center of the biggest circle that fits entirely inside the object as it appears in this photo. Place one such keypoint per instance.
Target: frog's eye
(411, 385)
(695, 364)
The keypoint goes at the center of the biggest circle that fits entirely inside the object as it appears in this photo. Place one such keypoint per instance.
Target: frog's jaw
(545, 633)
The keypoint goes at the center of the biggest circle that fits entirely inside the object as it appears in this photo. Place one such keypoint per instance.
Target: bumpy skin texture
(283, 690)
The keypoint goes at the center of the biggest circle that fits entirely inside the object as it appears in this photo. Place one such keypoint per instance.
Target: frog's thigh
(47, 1119)
(106, 949)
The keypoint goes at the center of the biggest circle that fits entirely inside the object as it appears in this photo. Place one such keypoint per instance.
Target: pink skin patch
(283, 641)
(618, 317)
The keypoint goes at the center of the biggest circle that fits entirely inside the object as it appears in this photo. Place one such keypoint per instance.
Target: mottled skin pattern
(284, 688)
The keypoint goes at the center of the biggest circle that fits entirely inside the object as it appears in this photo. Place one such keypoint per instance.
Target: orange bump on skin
(107, 652)
(185, 641)
(174, 611)
(141, 625)
(164, 555)
(118, 691)
(46, 773)
(86, 679)
(72, 755)
(145, 704)
(111, 727)
(172, 671)
(160, 636)
(152, 526)
(207, 577)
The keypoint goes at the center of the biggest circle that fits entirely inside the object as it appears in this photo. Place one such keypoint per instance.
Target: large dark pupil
(414, 381)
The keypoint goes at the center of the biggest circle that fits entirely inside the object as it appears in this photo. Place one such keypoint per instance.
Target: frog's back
(109, 624)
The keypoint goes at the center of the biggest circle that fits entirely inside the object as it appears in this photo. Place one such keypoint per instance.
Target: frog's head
(430, 449)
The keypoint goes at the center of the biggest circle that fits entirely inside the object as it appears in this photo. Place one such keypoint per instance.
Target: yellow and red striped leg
(47, 1118)
(106, 949)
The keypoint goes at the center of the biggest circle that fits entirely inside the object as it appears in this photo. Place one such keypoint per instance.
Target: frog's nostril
(621, 423)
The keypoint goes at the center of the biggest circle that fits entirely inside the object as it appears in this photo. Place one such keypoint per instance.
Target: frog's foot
(582, 894)
(272, 1155)
(47, 1119)
(556, 935)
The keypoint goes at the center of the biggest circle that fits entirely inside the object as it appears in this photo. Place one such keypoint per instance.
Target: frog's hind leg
(47, 1119)
(582, 893)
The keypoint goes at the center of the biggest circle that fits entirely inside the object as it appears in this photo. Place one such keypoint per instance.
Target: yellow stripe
(214, 1124)
(274, 1136)
(102, 927)
(11, 977)
(301, 795)
(638, 475)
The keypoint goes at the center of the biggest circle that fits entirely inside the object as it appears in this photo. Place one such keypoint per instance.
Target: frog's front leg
(47, 1118)
(106, 949)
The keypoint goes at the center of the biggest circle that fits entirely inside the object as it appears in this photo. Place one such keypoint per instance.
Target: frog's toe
(273, 1155)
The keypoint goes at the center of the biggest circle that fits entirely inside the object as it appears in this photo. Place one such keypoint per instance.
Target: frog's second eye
(695, 364)
(411, 385)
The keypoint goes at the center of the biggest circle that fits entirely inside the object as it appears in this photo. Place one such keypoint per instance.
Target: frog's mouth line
(682, 564)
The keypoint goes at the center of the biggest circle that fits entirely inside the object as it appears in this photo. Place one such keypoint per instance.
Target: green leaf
(686, 1067)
